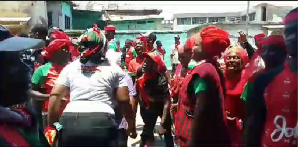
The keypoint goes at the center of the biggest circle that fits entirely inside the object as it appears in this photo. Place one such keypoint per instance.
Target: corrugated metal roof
(273, 26)
(125, 17)
(15, 19)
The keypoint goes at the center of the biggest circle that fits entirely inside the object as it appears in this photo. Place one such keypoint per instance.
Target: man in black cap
(20, 125)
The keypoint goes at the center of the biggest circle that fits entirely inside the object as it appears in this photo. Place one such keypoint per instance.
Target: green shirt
(198, 84)
(113, 45)
(40, 75)
(247, 90)
(134, 53)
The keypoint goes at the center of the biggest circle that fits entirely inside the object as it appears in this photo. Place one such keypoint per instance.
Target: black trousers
(88, 129)
(149, 117)
(122, 138)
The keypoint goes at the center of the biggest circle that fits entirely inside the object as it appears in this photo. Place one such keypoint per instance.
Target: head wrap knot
(61, 41)
(91, 42)
(214, 40)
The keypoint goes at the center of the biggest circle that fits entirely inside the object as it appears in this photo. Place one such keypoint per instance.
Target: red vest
(177, 82)
(281, 98)
(184, 117)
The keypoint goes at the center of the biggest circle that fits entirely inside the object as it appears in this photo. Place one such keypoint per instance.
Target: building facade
(260, 13)
(138, 24)
(126, 19)
(83, 19)
(21, 16)
(59, 14)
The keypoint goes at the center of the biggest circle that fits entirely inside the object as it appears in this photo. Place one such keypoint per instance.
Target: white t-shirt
(92, 92)
(174, 59)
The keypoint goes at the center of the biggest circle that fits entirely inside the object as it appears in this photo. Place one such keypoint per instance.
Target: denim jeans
(87, 129)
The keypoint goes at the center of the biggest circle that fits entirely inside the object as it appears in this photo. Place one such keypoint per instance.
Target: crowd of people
(55, 93)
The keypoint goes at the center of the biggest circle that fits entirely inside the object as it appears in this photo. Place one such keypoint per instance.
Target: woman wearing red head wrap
(236, 59)
(43, 79)
(201, 119)
(272, 105)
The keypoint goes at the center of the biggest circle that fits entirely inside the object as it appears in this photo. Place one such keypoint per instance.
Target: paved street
(139, 123)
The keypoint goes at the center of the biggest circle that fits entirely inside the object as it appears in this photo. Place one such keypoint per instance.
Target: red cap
(110, 28)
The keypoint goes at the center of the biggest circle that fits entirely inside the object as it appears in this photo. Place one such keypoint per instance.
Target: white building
(260, 13)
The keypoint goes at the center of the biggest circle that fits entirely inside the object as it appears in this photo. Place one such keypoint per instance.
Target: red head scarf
(214, 40)
(256, 60)
(292, 15)
(60, 42)
(143, 39)
(192, 41)
(158, 60)
(258, 38)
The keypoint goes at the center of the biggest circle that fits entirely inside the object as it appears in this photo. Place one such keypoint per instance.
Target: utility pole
(247, 19)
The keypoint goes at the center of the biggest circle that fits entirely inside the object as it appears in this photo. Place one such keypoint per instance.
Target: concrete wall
(67, 11)
(133, 24)
(56, 9)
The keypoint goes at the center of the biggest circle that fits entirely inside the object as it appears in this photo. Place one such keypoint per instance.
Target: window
(263, 14)
(141, 22)
(252, 16)
(150, 21)
(244, 18)
(184, 21)
(213, 19)
(221, 19)
(67, 22)
(50, 23)
(198, 20)
(216, 19)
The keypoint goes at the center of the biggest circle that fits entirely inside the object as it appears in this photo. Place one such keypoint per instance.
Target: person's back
(95, 86)
(87, 87)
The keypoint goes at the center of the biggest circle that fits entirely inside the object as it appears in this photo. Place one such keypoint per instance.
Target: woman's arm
(57, 94)
(36, 95)
(249, 48)
(59, 91)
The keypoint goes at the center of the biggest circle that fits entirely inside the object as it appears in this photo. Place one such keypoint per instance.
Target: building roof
(226, 14)
(133, 11)
(21, 19)
(229, 14)
(127, 17)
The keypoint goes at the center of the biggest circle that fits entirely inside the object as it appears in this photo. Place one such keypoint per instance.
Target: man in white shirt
(174, 53)
(95, 86)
